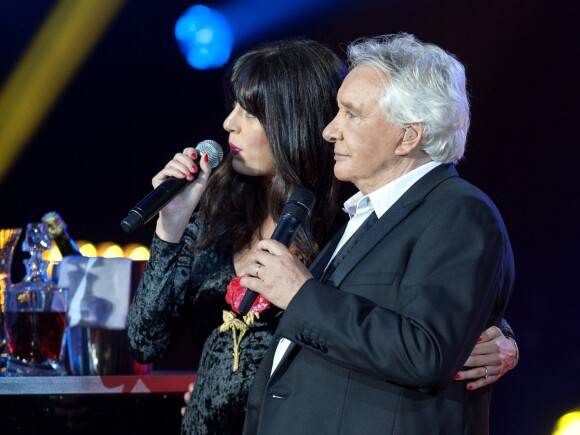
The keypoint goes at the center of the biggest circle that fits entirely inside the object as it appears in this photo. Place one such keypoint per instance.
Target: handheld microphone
(149, 206)
(294, 214)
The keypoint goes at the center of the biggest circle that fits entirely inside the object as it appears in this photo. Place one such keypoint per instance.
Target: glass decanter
(35, 313)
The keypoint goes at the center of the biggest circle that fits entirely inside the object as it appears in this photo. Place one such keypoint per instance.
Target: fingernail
(470, 387)
(457, 376)
(193, 155)
(193, 168)
(480, 339)
(182, 174)
(190, 176)
(206, 158)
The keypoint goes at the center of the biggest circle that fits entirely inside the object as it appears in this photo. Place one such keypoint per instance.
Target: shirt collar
(383, 198)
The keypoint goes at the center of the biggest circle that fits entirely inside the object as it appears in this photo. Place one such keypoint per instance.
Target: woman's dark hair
(291, 87)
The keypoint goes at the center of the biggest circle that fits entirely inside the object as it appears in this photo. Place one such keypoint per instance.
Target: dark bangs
(246, 84)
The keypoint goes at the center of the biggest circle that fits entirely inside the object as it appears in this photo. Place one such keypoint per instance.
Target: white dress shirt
(359, 207)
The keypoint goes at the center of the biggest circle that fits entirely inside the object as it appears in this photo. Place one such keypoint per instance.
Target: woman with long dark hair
(283, 94)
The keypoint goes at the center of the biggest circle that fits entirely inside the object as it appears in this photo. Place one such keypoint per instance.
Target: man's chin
(340, 173)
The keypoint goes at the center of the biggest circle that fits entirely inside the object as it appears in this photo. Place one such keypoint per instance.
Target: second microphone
(294, 214)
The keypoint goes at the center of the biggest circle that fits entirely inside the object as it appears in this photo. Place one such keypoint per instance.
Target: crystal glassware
(35, 314)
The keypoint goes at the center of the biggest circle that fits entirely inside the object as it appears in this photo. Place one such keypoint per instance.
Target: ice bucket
(100, 351)
(96, 350)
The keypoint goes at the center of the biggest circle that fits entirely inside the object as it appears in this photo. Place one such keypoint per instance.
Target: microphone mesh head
(213, 150)
(300, 205)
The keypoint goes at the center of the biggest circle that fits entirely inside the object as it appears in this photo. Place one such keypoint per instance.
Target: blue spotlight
(205, 37)
(250, 19)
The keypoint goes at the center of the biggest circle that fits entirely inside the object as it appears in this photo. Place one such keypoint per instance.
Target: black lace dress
(181, 287)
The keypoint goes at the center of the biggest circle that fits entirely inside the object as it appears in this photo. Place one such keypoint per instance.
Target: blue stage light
(252, 19)
(205, 37)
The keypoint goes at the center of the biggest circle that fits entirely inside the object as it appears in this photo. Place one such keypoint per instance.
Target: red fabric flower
(236, 293)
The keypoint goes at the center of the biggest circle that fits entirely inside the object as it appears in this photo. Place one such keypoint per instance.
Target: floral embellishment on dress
(239, 329)
(234, 295)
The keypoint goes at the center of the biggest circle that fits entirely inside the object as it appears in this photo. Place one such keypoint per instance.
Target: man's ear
(412, 137)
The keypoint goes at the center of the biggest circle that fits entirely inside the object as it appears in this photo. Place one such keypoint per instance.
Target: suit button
(316, 346)
(323, 348)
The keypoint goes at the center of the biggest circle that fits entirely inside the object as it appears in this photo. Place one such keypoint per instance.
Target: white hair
(426, 85)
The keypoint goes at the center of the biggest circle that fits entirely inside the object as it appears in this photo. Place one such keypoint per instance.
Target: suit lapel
(321, 260)
(396, 213)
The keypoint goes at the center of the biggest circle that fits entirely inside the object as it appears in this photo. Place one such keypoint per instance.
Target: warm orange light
(568, 424)
(52, 255)
(136, 252)
(87, 248)
(109, 250)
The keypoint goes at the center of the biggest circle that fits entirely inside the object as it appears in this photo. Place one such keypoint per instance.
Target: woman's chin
(242, 169)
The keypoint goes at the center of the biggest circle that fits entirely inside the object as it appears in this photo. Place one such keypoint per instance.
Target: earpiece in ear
(410, 134)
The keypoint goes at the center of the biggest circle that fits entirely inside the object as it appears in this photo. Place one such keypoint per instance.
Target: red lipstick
(234, 150)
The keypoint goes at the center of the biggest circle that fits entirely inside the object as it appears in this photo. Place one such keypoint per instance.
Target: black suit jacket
(376, 345)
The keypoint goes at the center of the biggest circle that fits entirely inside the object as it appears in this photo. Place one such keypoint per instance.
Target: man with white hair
(374, 334)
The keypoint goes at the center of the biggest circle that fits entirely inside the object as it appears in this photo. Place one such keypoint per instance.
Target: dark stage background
(135, 102)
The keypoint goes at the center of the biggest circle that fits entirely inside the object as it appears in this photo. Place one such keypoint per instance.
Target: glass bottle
(79, 348)
(35, 313)
(57, 230)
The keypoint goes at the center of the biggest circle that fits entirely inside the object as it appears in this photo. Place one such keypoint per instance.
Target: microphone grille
(213, 150)
(300, 205)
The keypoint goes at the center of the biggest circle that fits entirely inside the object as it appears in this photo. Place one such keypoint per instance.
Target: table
(104, 405)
